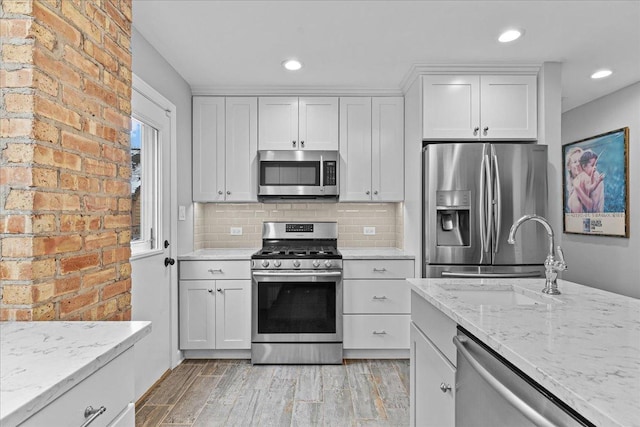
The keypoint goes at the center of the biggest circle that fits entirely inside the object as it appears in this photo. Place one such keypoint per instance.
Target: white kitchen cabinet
(432, 366)
(371, 149)
(225, 142)
(480, 107)
(215, 305)
(111, 387)
(292, 123)
(376, 304)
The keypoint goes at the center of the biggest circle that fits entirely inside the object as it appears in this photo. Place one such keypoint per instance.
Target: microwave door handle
(523, 407)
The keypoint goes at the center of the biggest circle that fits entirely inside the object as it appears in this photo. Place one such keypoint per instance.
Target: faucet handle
(561, 260)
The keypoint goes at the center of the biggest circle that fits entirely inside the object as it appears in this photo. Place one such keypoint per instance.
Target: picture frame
(595, 185)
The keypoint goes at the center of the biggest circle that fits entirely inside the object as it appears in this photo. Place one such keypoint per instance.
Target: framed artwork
(596, 185)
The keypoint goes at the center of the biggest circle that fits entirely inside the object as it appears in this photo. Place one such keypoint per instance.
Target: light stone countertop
(584, 349)
(40, 361)
(242, 254)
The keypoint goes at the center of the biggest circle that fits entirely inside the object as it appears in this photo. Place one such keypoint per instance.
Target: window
(144, 187)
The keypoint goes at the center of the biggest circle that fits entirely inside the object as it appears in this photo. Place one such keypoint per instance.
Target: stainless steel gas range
(297, 295)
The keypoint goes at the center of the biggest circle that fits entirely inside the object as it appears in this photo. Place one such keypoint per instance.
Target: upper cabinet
(371, 149)
(292, 123)
(480, 107)
(225, 149)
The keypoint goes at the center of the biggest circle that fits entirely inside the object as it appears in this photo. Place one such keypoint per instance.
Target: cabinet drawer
(435, 325)
(378, 269)
(203, 270)
(377, 296)
(376, 331)
(111, 386)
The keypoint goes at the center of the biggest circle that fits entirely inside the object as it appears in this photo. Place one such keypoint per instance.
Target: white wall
(608, 263)
(151, 67)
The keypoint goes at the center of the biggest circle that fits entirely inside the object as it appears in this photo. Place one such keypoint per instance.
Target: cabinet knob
(219, 289)
(228, 192)
(375, 192)
(210, 290)
(445, 387)
(220, 192)
(302, 143)
(368, 192)
(293, 143)
(485, 130)
(475, 131)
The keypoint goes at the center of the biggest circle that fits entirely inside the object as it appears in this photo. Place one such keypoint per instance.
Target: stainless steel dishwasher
(492, 392)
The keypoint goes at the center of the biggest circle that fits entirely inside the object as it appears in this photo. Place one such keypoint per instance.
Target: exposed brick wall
(65, 78)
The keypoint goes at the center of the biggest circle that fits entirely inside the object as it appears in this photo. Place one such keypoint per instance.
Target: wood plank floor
(235, 393)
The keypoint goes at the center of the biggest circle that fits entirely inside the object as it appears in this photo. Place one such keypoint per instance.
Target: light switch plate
(369, 231)
(182, 213)
(236, 231)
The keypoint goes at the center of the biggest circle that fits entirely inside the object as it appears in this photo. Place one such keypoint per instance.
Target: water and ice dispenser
(452, 210)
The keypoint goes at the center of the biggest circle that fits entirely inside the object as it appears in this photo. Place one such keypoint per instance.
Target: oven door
(296, 306)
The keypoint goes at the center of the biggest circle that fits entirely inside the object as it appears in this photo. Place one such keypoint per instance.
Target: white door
(233, 314)
(387, 149)
(451, 107)
(151, 286)
(208, 148)
(508, 107)
(241, 149)
(197, 314)
(278, 124)
(318, 123)
(355, 149)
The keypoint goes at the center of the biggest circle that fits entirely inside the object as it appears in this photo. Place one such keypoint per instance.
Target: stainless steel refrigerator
(472, 194)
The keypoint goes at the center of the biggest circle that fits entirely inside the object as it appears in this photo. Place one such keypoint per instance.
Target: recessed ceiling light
(292, 64)
(601, 74)
(510, 35)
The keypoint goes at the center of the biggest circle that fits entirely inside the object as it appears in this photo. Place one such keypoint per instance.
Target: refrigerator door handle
(489, 187)
(482, 206)
(498, 206)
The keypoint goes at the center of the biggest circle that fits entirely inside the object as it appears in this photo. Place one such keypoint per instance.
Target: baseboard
(376, 354)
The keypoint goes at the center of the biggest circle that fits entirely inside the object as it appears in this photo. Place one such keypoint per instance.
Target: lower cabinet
(376, 305)
(215, 314)
(432, 366)
(110, 387)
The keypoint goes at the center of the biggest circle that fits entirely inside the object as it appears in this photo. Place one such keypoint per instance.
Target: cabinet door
(451, 107)
(208, 148)
(241, 149)
(318, 123)
(196, 312)
(233, 314)
(278, 124)
(508, 107)
(355, 149)
(387, 149)
(430, 406)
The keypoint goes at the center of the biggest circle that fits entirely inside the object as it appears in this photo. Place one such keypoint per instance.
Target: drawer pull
(91, 414)
(379, 270)
(445, 387)
(382, 332)
(215, 270)
(375, 297)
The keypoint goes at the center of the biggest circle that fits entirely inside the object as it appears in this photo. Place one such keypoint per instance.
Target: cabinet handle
(445, 387)
(210, 290)
(302, 143)
(220, 192)
(485, 130)
(379, 270)
(379, 298)
(228, 192)
(91, 414)
(215, 270)
(219, 289)
(367, 192)
(475, 131)
(382, 332)
(293, 143)
(375, 192)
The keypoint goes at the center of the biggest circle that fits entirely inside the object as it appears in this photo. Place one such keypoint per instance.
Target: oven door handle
(297, 273)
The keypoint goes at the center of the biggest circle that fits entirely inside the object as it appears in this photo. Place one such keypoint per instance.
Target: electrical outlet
(369, 231)
(236, 231)
(182, 213)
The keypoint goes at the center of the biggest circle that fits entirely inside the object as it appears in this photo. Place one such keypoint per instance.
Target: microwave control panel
(330, 173)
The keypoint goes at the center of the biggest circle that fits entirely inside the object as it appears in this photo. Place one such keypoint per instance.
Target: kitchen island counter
(40, 361)
(584, 348)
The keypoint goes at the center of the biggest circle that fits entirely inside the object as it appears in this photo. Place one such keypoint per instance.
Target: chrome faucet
(551, 265)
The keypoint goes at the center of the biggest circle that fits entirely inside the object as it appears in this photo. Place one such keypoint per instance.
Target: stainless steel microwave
(298, 174)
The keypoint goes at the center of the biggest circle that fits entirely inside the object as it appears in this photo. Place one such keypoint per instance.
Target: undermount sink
(497, 295)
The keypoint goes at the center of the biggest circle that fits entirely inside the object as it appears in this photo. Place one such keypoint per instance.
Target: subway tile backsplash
(213, 222)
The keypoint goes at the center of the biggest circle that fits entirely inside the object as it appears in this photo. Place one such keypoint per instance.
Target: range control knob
(265, 263)
(327, 264)
(277, 263)
(316, 263)
(296, 263)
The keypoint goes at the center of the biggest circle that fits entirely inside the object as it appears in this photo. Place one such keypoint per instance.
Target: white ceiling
(371, 46)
